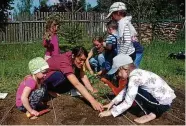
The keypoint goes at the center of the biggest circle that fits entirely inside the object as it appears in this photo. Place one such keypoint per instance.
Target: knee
(101, 57)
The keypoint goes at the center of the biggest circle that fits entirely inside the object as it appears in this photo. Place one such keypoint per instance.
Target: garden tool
(116, 90)
(29, 115)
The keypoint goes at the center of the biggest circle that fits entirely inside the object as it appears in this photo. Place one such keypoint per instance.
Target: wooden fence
(29, 28)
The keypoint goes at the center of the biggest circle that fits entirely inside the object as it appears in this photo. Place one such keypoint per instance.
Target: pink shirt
(61, 62)
(52, 48)
(29, 82)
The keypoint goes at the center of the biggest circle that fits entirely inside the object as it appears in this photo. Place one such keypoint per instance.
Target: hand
(94, 90)
(91, 72)
(104, 44)
(97, 106)
(100, 50)
(34, 112)
(105, 113)
(108, 106)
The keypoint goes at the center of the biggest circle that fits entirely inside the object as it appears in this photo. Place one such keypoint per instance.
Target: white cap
(117, 6)
(118, 61)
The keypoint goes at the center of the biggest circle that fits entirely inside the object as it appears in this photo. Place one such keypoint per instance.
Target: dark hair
(112, 24)
(78, 51)
(98, 38)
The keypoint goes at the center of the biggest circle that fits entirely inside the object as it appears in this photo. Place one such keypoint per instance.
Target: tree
(62, 6)
(102, 5)
(89, 8)
(5, 5)
(24, 6)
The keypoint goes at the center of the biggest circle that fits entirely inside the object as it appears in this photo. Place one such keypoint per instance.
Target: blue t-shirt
(112, 40)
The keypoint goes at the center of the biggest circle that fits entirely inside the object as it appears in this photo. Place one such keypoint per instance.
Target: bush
(72, 33)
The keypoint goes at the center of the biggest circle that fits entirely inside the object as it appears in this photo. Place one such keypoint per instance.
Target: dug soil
(67, 110)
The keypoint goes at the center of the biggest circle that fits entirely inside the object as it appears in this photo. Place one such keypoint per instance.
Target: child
(138, 47)
(50, 39)
(30, 92)
(139, 53)
(95, 57)
(110, 44)
(148, 90)
(124, 44)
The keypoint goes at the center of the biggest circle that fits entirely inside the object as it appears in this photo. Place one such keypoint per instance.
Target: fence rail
(28, 28)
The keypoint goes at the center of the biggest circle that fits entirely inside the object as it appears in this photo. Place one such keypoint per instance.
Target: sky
(93, 3)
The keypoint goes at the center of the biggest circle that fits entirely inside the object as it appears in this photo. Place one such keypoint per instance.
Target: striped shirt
(112, 40)
(124, 43)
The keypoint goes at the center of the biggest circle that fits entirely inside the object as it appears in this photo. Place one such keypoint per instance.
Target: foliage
(5, 5)
(62, 6)
(146, 9)
(156, 60)
(25, 6)
(73, 33)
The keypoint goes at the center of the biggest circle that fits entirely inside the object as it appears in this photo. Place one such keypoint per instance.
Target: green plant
(72, 33)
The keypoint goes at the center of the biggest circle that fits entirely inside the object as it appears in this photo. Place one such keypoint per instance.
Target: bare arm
(75, 82)
(86, 82)
(90, 54)
(25, 101)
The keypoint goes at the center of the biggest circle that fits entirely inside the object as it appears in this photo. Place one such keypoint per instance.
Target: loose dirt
(76, 111)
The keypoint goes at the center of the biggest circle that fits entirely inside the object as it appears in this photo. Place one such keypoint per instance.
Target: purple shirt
(52, 48)
(61, 62)
(29, 82)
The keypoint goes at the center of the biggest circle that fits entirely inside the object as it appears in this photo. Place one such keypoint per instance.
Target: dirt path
(75, 111)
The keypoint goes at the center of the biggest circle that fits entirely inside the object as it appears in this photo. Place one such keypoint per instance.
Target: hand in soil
(105, 113)
(108, 106)
(34, 112)
(97, 106)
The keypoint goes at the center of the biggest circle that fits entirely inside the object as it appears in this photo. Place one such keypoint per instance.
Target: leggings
(35, 98)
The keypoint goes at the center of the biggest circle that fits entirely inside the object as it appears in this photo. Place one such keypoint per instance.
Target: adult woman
(95, 59)
(65, 69)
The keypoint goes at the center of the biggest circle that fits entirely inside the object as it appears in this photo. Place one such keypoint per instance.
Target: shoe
(74, 92)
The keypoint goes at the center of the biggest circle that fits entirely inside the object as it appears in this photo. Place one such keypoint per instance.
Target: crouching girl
(151, 93)
(30, 92)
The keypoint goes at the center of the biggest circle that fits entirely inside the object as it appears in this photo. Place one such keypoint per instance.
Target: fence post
(91, 25)
(21, 31)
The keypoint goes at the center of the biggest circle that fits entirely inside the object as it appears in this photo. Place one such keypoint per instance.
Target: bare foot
(145, 118)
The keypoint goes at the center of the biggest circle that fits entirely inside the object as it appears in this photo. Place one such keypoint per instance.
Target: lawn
(14, 62)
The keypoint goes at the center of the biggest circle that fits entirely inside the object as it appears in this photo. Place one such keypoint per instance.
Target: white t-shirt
(148, 81)
(125, 31)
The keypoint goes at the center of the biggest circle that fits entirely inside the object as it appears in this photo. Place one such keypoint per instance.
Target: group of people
(119, 54)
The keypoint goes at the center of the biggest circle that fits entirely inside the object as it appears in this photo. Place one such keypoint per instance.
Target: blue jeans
(97, 62)
(108, 60)
(138, 59)
(58, 82)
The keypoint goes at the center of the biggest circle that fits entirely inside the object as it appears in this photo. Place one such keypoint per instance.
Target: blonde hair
(49, 22)
(128, 67)
(48, 25)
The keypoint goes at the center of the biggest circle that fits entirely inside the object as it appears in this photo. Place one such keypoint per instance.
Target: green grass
(155, 59)
(14, 62)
